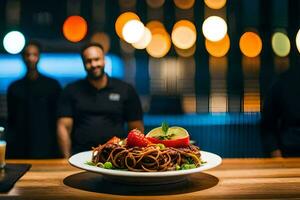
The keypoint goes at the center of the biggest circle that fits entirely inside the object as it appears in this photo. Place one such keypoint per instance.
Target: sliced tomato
(177, 136)
(182, 142)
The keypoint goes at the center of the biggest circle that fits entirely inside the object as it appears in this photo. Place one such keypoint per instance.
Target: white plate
(79, 160)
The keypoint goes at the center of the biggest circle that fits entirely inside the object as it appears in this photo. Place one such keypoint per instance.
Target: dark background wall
(191, 92)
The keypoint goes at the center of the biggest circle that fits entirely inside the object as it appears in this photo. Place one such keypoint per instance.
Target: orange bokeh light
(75, 28)
(184, 34)
(250, 44)
(122, 20)
(219, 48)
(155, 25)
(215, 4)
(184, 4)
(160, 43)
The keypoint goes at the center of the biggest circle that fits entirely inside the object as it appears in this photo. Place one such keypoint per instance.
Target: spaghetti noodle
(152, 158)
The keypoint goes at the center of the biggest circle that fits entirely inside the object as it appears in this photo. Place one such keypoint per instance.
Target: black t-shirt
(32, 118)
(98, 114)
(281, 115)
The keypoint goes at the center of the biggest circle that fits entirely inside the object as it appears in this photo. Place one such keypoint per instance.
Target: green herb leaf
(90, 163)
(162, 137)
(165, 127)
(165, 137)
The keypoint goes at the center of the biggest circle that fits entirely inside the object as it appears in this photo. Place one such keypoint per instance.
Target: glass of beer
(2, 153)
(2, 149)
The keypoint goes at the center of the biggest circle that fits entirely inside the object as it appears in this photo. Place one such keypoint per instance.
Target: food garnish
(136, 138)
(149, 153)
(169, 136)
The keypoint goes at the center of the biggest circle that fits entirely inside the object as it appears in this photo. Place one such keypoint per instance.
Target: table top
(234, 178)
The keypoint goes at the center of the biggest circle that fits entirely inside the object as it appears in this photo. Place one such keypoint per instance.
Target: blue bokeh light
(61, 66)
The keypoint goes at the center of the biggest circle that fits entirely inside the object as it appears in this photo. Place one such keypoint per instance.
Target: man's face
(31, 57)
(94, 62)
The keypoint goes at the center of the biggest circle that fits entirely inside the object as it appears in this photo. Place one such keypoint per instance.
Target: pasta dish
(146, 159)
(139, 154)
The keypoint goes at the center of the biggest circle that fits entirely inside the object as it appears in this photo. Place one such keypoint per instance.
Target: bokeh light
(160, 42)
(122, 20)
(184, 4)
(74, 28)
(133, 31)
(250, 44)
(144, 41)
(298, 40)
(219, 48)
(281, 44)
(14, 42)
(159, 46)
(102, 39)
(215, 4)
(155, 3)
(184, 34)
(155, 25)
(214, 28)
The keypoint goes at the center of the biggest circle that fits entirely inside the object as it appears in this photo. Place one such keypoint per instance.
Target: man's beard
(96, 77)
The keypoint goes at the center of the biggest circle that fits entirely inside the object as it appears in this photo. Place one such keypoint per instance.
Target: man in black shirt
(281, 116)
(31, 110)
(94, 109)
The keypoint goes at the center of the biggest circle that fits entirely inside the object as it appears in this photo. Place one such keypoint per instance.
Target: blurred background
(201, 64)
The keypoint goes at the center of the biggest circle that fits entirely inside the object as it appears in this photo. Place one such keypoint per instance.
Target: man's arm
(138, 124)
(64, 129)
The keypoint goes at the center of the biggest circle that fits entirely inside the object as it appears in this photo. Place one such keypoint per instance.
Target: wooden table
(235, 178)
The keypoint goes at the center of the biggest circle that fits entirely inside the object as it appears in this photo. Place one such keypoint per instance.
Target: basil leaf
(165, 137)
(165, 127)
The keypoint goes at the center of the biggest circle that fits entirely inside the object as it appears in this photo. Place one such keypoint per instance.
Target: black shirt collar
(108, 85)
(109, 82)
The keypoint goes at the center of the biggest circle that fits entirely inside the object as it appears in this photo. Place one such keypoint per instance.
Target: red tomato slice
(179, 137)
(183, 142)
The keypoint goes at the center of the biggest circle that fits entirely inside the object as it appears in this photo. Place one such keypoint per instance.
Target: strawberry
(136, 138)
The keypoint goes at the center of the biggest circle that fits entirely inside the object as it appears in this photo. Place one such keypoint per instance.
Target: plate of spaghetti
(136, 160)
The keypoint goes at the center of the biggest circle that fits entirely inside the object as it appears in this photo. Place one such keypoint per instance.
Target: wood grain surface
(234, 179)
